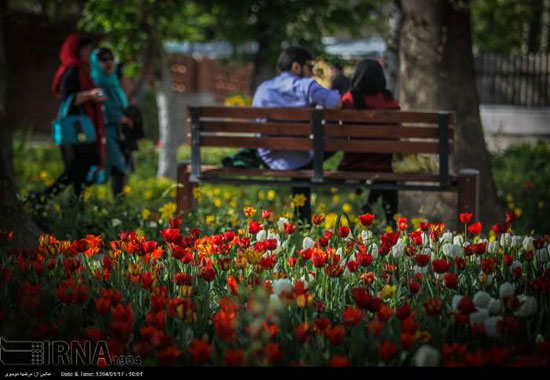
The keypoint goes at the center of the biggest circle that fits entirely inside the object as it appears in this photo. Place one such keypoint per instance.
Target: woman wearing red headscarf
(73, 78)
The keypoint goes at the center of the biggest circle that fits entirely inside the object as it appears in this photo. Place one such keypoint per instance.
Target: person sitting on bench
(368, 92)
(294, 87)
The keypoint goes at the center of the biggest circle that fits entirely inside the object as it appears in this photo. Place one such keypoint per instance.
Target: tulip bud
(481, 300)
(261, 236)
(505, 240)
(494, 306)
(458, 240)
(426, 356)
(542, 255)
(527, 243)
(506, 290)
(493, 247)
(374, 251)
(275, 303)
(307, 243)
(516, 241)
(398, 249)
(528, 306)
(366, 235)
(447, 237)
(478, 317)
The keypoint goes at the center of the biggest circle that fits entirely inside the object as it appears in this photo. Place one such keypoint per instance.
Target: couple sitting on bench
(295, 87)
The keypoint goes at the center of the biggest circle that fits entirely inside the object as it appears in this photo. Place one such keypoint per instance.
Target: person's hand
(126, 120)
(97, 95)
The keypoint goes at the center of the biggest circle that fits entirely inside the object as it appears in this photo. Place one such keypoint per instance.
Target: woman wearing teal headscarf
(102, 70)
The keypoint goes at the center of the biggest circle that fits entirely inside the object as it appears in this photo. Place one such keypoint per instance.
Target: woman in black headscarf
(368, 92)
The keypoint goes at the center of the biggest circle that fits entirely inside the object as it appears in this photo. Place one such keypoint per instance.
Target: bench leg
(468, 195)
(184, 194)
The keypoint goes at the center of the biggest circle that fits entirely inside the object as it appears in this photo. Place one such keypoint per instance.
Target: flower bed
(270, 293)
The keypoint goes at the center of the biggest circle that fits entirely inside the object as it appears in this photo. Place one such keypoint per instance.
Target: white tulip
(506, 290)
(261, 235)
(425, 238)
(481, 300)
(447, 237)
(491, 326)
(516, 241)
(446, 248)
(494, 306)
(398, 250)
(478, 317)
(281, 285)
(281, 223)
(275, 303)
(452, 250)
(527, 243)
(505, 240)
(426, 356)
(366, 235)
(528, 306)
(307, 243)
(272, 235)
(116, 222)
(374, 251)
(493, 247)
(458, 240)
(542, 255)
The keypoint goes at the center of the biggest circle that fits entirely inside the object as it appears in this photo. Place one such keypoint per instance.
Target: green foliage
(129, 25)
(522, 176)
(499, 26)
(296, 22)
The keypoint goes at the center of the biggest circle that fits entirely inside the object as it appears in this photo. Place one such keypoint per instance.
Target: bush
(522, 178)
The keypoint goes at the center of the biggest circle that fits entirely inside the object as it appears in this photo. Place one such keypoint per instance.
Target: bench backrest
(305, 129)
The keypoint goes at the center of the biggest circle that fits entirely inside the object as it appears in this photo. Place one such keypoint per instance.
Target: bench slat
(383, 131)
(304, 144)
(277, 143)
(383, 146)
(287, 129)
(253, 113)
(379, 116)
(333, 130)
(213, 171)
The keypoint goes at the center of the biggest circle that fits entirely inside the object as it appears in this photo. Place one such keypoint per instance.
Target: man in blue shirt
(294, 87)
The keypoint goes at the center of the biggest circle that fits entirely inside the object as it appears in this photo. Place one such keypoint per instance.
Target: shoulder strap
(65, 105)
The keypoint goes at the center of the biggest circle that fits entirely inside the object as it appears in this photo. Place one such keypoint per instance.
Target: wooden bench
(320, 130)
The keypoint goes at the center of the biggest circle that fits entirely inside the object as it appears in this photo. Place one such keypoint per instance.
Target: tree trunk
(392, 55)
(167, 165)
(535, 27)
(437, 73)
(12, 215)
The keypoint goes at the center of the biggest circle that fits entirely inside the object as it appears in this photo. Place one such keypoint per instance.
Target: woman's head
(84, 49)
(106, 60)
(368, 77)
